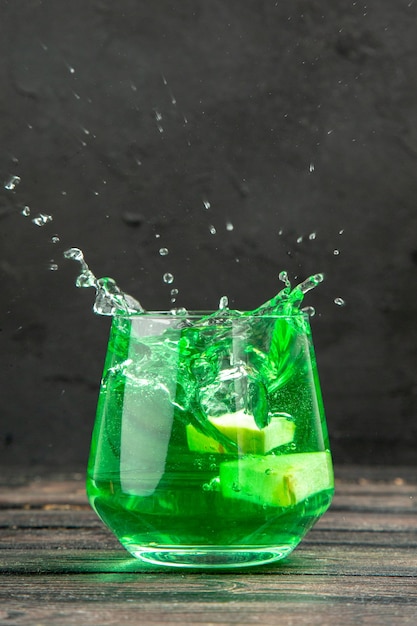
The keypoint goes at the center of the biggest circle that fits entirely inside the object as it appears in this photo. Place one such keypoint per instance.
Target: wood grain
(60, 566)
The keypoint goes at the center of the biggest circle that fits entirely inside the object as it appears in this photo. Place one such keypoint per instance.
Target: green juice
(210, 446)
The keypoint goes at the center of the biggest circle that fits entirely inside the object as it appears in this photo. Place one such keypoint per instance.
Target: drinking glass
(210, 446)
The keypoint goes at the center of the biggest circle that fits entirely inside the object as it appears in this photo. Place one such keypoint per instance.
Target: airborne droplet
(339, 301)
(11, 183)
(42, 219)
(163, 251)
(168, 278)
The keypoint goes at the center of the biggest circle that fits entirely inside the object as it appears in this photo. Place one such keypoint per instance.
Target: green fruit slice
(282, 481)
(241, 429)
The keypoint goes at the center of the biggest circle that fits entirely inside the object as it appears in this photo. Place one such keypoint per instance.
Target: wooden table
(60, 566)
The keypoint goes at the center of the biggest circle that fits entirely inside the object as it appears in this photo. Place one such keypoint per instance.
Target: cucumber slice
(282, 481)
(241, 428)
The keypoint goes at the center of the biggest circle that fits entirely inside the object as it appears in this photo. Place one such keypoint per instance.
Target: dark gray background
(123, 118)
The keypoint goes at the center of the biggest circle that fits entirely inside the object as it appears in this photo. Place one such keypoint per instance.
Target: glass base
(204, 557)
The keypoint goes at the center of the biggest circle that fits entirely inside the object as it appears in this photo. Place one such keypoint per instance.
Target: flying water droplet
(229, 226)
(299, 239)
(53, 266)
(12, 182)
(339, 301)
(311, 282)
(336, 252)
(224, 303)
(212, 229)
(312, 236)
(26, 211)
(163, 251)
(55, 239)
(283, 276)
(206, 204)
(309, 310)
(168, 278)
(42, 219)
(341, 231)
(311, 168)
(280, 232)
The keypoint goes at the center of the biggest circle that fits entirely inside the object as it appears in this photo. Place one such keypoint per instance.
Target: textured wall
(123, 120)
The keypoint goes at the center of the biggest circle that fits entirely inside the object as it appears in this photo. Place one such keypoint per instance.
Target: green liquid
(210, 448)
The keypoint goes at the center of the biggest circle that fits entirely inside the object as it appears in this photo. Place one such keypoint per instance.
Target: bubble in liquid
(26, 211)
(163, 251)
(11, 183)
(55, 239)
(339, 301)
(212, 229)
(42, 219)
(229, 226)
(168, 278)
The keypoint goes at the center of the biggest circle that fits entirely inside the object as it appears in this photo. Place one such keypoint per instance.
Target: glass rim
(199, 314)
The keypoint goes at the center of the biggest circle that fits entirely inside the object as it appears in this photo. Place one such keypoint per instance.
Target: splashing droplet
(336, 252)
(26, 211)
(212, 229)
(299, 239)
(280, 232)
(168, 278)
(312, 236)
(206, 204)
(55, 239)
(341, 231)
(311, 168)
(174, 292)
(163, 251)
(339, 301)
(42, 219)
(283, 276)
(224, 303)
(12, 182)
(53, 266)
(229, 226)
(309, 310)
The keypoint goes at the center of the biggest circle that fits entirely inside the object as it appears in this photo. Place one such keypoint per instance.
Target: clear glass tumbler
(210, 446)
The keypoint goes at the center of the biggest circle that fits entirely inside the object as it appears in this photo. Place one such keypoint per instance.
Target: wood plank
(86, 518)
(208, 600)
(314, 612)
(100, 537)
(329, 559)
